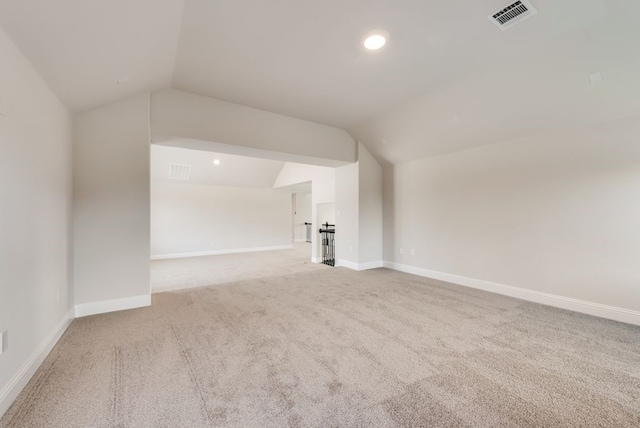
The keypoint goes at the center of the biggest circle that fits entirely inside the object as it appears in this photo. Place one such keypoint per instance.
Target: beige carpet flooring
(337, 348)
(190, 272)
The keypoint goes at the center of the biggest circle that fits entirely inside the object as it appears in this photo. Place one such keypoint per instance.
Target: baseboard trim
(316, 260)
(299, 240)
(219, 252)
(114, 305)
(10, 392)
(360, 266)
(583, 306)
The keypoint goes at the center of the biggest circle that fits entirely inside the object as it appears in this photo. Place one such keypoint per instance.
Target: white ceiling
(83, 47)
(447, 80)
(236, 171)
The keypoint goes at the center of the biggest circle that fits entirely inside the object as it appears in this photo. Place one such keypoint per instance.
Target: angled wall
(181, 115)
(551, 218)
(111, 207)
(36, 292)
(359, 242)
(323, 191)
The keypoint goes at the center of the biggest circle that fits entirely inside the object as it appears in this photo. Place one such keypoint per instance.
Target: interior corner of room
(505, 160)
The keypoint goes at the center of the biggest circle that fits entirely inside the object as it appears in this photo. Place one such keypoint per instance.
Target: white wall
(181, 115)
(36, 293)
(111, 202)
(302, 216)
(370, 210)
(556, 213)
(347, 213)
(199, 218)
(323, 190)
(359, 212)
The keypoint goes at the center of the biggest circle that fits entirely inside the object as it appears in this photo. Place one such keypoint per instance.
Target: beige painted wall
(556, 213)
(192, 218)
(111, 201)
(35, 216)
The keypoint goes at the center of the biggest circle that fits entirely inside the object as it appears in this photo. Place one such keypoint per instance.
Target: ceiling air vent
(512, 14)
(179, 171)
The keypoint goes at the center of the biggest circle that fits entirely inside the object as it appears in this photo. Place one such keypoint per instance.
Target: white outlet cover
(412, 252)
(1, 107)
(595, 78)
(401, 251)
(3, 341)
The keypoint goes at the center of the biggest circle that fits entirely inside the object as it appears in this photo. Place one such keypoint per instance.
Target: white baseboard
(316, 259)
(219, 252)
(114, 305)
(17, 383)
(347, 264)
(300, 240)
(360, 266)
(371, 265)
(590, 308)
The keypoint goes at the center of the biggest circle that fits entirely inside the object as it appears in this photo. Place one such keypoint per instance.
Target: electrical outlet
(401, 251)
(1, 107)
(4, 341)
(213, 244)
(412, 252)
(351, 249)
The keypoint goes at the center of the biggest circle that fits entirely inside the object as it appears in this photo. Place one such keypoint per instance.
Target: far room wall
(191, 219)
(302, 215)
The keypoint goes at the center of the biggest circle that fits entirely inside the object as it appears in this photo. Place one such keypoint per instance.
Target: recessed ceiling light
(216, 161)
(375, 41)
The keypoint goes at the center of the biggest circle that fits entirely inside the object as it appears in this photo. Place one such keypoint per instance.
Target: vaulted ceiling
(447, 80)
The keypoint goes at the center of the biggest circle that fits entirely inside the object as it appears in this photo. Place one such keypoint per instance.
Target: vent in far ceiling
(512, 14)
(179, 171)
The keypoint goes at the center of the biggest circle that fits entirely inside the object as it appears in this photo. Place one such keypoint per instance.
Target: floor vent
(179, 171)
(513, 14)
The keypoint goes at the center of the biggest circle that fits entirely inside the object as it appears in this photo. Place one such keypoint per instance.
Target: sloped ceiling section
(447, 80)
(93, 52)
(521, 93)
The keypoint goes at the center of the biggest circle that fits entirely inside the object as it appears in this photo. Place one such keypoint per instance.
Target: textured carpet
(337, 348)
(191, 272)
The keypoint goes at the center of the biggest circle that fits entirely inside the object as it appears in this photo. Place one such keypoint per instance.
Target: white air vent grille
(179, 171)
(512, 14)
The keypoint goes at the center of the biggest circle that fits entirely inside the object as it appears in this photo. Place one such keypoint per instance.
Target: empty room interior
(362, 213)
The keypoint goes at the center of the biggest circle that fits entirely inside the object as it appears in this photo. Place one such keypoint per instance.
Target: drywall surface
(36, 292)
(178, 114)
(111, 201)
(555, 213)
(194, 218)
(323, 191)
(347, 213)
(370, 207)
(302, 216)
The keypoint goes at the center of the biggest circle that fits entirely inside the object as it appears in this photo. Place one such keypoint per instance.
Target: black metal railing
(308, 225)
(328, 233)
